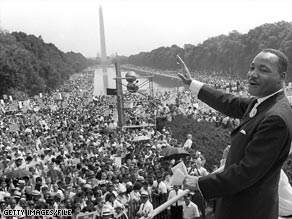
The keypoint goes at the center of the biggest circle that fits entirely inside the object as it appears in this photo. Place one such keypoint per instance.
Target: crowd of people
(181, 102)
(64, 150)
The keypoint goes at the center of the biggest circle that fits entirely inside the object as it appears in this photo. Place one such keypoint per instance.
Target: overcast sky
(133, 26)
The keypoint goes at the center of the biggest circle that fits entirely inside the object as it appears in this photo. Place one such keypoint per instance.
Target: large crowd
(63, 150)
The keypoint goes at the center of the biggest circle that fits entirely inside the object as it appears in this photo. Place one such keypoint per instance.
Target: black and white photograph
(145, 109)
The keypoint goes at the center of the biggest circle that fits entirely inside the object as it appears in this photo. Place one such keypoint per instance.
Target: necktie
(253, 111)
(198, 172)
(176, 204)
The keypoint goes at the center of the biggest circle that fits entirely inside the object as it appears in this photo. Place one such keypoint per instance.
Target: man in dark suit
(248, 186)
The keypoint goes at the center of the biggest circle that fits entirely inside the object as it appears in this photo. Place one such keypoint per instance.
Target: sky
(134, 26)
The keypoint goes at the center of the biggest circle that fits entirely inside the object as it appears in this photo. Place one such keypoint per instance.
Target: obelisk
(103, 51)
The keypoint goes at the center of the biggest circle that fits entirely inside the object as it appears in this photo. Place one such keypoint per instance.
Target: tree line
(224, 54)
(30, 66)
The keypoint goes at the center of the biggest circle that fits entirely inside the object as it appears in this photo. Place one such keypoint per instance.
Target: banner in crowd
(53, 107)
(24, 109)
(42, 106)
(128, 104)
(111, 91)
(13, 107)
(118, 161)
(90, 215)
(14, 127)
(65, 104)
(115, 115)
(26, 103)
(106, 113)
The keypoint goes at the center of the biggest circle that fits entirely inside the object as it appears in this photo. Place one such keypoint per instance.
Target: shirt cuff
(195, 87)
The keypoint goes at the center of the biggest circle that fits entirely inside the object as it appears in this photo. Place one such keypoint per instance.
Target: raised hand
(186, 77)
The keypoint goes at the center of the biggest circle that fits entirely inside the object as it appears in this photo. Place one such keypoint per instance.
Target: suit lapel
(263, 106)
(270, 101)
(245, 117)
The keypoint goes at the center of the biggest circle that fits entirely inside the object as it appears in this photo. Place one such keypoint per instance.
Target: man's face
(18, 162)
(144, 199)
(187, 200)
(13, 203)
(263, 76)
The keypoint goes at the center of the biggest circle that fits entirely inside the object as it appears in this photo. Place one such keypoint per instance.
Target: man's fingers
(179, 58)
(181, 76)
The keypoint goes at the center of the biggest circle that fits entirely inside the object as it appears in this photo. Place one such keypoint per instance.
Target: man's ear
(283, 76)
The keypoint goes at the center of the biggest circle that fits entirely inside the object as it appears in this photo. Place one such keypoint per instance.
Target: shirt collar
(262, 99)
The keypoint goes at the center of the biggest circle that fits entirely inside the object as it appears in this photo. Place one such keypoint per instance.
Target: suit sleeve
(266, 149)
(227, 104)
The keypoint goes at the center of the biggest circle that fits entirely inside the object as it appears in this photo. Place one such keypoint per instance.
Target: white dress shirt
(145, 208)
(190, 211)
(188, 143)
(285, 195)
(161, 187)
(174, 193)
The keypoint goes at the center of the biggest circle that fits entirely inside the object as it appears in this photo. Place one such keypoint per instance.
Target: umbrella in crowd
(17, 174)
(174, 153)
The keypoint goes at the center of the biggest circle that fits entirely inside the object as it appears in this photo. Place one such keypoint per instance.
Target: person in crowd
(189, 142)
(72, 157)
(176, 209)
(259, 145)
(197, 198)
(120, 213)
(285, 196)
(190, 209)
(145, 208)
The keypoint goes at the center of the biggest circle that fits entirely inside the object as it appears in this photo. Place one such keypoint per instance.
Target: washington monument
(103, 50)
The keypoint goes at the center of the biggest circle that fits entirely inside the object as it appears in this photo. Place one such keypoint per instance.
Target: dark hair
(283, 60)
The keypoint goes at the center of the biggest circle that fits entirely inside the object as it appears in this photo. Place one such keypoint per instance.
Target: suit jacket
(248, 186)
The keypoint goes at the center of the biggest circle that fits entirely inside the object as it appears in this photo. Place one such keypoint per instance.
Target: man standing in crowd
(176, 209)
(145, 208)
(248, 186)
(190, 209)
(189, 142)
